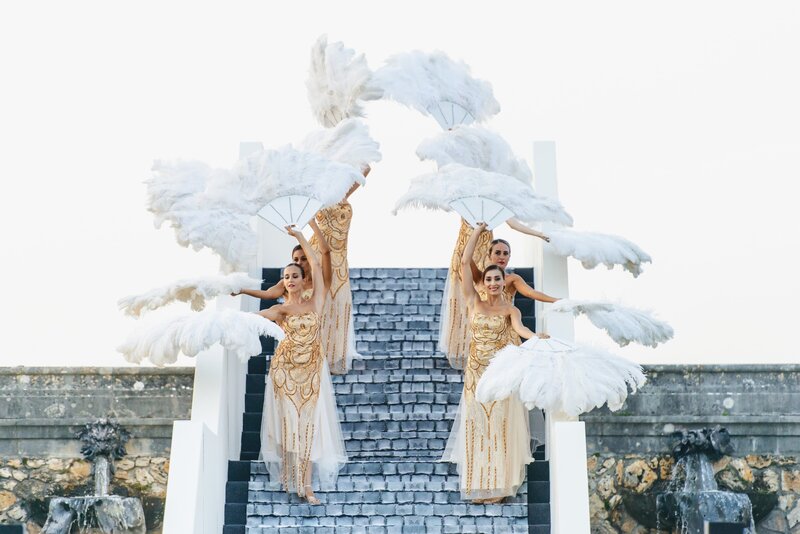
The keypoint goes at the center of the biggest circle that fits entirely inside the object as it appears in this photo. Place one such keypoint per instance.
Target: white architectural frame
(566, 436)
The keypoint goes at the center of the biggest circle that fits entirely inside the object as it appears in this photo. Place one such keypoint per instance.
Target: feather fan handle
(437, 190)
(338, 81)
(474, 146)
(196, 291)
(348, 142)
(426, 82)
(622, 324)
(593, 249)
(160, 341)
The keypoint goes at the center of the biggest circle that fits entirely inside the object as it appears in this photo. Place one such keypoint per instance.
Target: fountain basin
(680, 509)
(110, 514)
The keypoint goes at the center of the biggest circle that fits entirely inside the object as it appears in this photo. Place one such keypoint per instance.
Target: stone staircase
(396, 408)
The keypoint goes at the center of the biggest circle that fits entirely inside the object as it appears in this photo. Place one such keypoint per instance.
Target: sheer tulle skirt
(284, 460)
(454, 325)
(337, 332)
(490, 453)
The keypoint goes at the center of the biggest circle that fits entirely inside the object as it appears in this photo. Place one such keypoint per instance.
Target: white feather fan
(435, 85)
(474, 146)
(183, 193)
(269, 174)
(348, 142)
(193, 290)
(160, 341)
(593, 249)
(623, 324)
(559, 377)
(338, 80)
(437, 190)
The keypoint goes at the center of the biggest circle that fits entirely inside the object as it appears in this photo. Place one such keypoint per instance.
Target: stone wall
(629, 462)
(41, 409)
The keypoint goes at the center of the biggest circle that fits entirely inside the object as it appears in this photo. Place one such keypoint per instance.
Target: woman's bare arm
(524, 289)
(519, 226)
(467, 279)
(516, 323)
(325, 251)
(273, 313)
(272, 293)
(316, 269)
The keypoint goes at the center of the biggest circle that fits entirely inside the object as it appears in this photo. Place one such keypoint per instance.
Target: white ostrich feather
(437, 190)
(183, 194)
(160, 341)
(593, 249)
(348, 142)
(269, 174)
(622, 324)
(338, 80)
(424, 81)
(474, 146)
(571, 379)
(193, 290)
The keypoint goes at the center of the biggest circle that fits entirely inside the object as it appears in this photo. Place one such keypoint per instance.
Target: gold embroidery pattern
(486, 425)
(334, 223)
(295, 373)
(457, 330)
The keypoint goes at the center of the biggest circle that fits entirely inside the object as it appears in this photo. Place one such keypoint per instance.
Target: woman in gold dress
(301, 440)
(454, 335)
(338, 337)
(299, 257)
(490, 443)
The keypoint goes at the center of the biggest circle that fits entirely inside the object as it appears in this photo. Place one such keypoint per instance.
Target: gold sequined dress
(300, 425)
(454, 317)
(338, 338)
(490, 443)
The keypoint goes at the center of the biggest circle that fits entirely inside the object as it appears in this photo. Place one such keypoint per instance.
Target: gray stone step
(396, 409)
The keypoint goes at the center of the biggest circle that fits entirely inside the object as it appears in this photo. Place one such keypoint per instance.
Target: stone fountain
(103, 442)
(692, 496)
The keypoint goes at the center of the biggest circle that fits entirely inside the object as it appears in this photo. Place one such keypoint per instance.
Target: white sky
(677, 125)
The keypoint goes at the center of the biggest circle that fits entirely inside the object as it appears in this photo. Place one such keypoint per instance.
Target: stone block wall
(41, 409)
(630, 462)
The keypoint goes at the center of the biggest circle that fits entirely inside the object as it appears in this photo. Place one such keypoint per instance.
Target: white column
(566, 436)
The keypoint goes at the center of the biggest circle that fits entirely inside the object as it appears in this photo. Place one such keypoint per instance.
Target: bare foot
(478, 501)
(493, 501)
(310, 497)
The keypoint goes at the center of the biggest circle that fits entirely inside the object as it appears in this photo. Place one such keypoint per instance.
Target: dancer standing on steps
(338, 338)
(301, 439)
(500, 255)
(299, 257)
(490, 443)
(454, 335)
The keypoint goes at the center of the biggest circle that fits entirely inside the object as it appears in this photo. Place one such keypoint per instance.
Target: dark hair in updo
(302, 271)
(296, 248)
(493, 267)
(496, 241)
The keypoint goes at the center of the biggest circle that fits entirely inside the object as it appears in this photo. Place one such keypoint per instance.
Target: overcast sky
(676, 125)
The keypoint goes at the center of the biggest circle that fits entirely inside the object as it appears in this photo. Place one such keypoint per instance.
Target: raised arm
(524, 289)
(325, 251)
(467, 279)
(519, 226)
(476, 273)
(316, 270)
